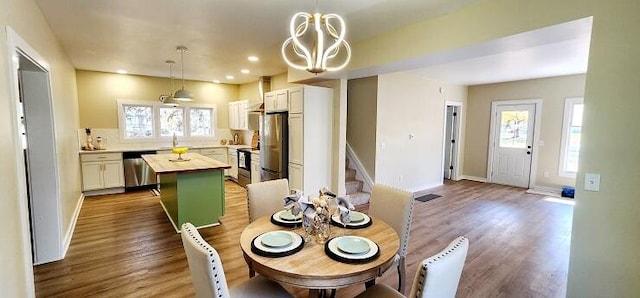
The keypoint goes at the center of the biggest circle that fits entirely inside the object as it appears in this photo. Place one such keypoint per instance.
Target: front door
(513, 140)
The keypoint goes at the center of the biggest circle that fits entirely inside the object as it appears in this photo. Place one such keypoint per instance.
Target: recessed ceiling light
(122, 71)
(244, 71)
(216, 81)
(253, 58)
(230, 77)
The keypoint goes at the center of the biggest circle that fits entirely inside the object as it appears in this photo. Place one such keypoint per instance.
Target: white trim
(360, 171)
(537, 103)
(423, 190)
(15, 43)
(546, 191)
(474, 178)
(186, 108)
(72, 226)
(455, 176)
(569, 104)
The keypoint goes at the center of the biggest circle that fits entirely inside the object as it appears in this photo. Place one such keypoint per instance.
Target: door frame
(537, 103)
(18, 46)
(455, 175)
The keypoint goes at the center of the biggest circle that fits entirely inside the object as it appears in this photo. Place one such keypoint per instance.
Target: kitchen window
(139, 120)
(571, 133)
(171, 121)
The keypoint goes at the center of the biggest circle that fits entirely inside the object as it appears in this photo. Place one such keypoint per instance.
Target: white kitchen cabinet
(310, 138)
(219, 154)
(255, 168)
(296, 138)
(102, 171)
(276, 101)
(233, 162)
(238, 115)
(296, 176)
(296, 100)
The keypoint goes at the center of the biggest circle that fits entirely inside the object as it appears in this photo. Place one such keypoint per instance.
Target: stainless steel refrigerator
(274, 146)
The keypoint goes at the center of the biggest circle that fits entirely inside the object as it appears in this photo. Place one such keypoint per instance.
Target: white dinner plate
(277, 217)
(333, 246)
(296, 242)
(365, 219)
(353, 245)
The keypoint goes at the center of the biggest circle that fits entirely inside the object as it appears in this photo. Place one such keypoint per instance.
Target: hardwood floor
(124, 245)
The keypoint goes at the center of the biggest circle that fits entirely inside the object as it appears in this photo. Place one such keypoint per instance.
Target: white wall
(24, 16)
(410, 105)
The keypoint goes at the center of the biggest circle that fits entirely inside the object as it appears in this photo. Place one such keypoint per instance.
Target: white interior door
(513, 142)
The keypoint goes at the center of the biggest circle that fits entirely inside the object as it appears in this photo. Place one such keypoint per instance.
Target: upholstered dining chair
(265, 198)
(395, 207)
(436, 277)
(208, 275)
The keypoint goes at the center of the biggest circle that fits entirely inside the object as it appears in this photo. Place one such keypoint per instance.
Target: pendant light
(316, 42)
(168, 99)
(182, 94)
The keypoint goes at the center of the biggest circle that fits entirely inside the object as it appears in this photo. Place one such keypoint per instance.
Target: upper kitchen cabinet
(238, 115)
(276, 101)
(310, 137)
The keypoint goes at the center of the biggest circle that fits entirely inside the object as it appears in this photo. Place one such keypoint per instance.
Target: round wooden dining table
(311, 267)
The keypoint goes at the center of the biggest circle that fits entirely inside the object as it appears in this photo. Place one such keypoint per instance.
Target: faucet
(175, 140)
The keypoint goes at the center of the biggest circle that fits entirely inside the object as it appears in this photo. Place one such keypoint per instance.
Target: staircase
(353, 186)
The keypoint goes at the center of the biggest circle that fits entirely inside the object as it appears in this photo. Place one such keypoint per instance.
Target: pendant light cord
(182, 64)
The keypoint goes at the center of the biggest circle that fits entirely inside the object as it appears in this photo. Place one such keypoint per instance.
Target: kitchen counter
(162, 164)
(156, 148)
(190, 191)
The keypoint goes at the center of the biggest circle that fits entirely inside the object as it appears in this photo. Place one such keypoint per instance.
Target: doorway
(451, 140)
(512, 142)
(37, 162)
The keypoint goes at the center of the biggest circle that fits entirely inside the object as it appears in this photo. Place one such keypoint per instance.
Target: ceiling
(138, 36)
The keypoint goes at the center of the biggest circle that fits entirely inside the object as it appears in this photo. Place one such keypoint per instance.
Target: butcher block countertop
(161, 163)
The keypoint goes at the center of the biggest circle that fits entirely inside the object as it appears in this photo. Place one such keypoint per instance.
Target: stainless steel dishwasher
(137, 173)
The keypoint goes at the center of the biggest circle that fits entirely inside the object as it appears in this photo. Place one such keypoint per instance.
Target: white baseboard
(423, 190)
(474, 178)
(546, 191)
(72, 226)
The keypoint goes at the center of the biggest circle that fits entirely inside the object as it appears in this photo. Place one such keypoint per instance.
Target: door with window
(512, 144)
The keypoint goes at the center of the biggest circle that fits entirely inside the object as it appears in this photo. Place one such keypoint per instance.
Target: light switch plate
(592, 182)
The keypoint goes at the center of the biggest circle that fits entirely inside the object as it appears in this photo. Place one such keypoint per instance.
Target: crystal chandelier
(316, 42)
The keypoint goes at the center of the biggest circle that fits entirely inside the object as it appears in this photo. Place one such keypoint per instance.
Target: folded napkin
(344, 208)
(291, 201)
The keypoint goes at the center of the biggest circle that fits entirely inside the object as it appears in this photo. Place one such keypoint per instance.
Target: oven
(244, 166)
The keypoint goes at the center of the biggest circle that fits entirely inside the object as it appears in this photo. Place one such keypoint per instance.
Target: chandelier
(316, 42)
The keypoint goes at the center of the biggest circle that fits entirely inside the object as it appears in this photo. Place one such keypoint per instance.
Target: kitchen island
(192, 190)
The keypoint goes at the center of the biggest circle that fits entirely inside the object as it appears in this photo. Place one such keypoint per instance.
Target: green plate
(353, 245)
(356, 217)
(288, 216)
(276, 239)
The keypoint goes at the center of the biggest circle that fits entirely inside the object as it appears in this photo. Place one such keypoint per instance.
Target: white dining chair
(265, 198)
(395, 207)
(436, 277)
(208, 276)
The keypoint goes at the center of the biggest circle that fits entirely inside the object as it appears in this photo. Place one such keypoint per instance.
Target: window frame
(156, 121)
(569, 105)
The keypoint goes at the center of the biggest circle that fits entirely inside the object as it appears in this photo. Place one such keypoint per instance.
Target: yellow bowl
(180, 150)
